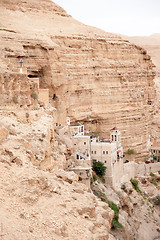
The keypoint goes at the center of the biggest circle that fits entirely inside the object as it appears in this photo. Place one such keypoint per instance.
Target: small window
(105, 161)
(103, 152)
(112, 137)
(84, 143)
(92, 152)
(95, 152)
(80, 179)
(106, 152)
(115, 138)
(77, 156)
(80, 173)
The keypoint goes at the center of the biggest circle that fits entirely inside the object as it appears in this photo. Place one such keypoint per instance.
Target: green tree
(156, 200)
(34, 95)
(99, 168)
(130, 151)
(135, 185)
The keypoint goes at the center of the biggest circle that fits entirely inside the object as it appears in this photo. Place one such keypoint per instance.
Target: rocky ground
(39, 200)
(30, 135)
(38, 204)
(138, 213)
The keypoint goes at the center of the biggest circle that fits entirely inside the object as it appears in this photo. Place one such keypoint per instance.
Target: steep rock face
(31, 5)
(30, 138)
(152, 45)
(16, 88)
(31, 135)
(95, 77)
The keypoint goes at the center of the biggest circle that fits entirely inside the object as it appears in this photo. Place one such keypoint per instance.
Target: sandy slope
(38, 205)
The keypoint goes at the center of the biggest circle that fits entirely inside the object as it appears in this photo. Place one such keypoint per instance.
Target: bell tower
(115, 136)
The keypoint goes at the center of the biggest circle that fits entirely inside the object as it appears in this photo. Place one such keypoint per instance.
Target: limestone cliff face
(33, 5)
(16, 88)
(95, 77)
(152, 45)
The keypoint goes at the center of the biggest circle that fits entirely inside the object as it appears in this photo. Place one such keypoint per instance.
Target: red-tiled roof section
(115, 128)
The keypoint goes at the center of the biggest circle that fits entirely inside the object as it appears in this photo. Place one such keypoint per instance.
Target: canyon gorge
(95, 78)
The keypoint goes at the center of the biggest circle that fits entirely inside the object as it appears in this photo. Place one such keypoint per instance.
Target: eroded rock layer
(152, 45)
(93, 76)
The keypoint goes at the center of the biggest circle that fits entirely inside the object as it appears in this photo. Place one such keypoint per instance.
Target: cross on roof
(21, 63)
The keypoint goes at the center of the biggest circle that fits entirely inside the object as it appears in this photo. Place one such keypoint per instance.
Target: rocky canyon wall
(152, 45)
(93, 77)
(16, 88)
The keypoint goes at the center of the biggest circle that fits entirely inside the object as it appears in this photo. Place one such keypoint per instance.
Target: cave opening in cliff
(32, 76)
(39, 73)
(54, 96)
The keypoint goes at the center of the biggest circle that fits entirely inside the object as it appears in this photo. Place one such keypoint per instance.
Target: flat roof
(80, 136)
(103, 143)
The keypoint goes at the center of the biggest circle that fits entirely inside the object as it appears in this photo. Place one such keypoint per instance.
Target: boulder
(69, 177)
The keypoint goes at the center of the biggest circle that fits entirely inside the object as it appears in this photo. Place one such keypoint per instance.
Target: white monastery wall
(117, 173)
(128, 172)
(142, 169)
(123, 172)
